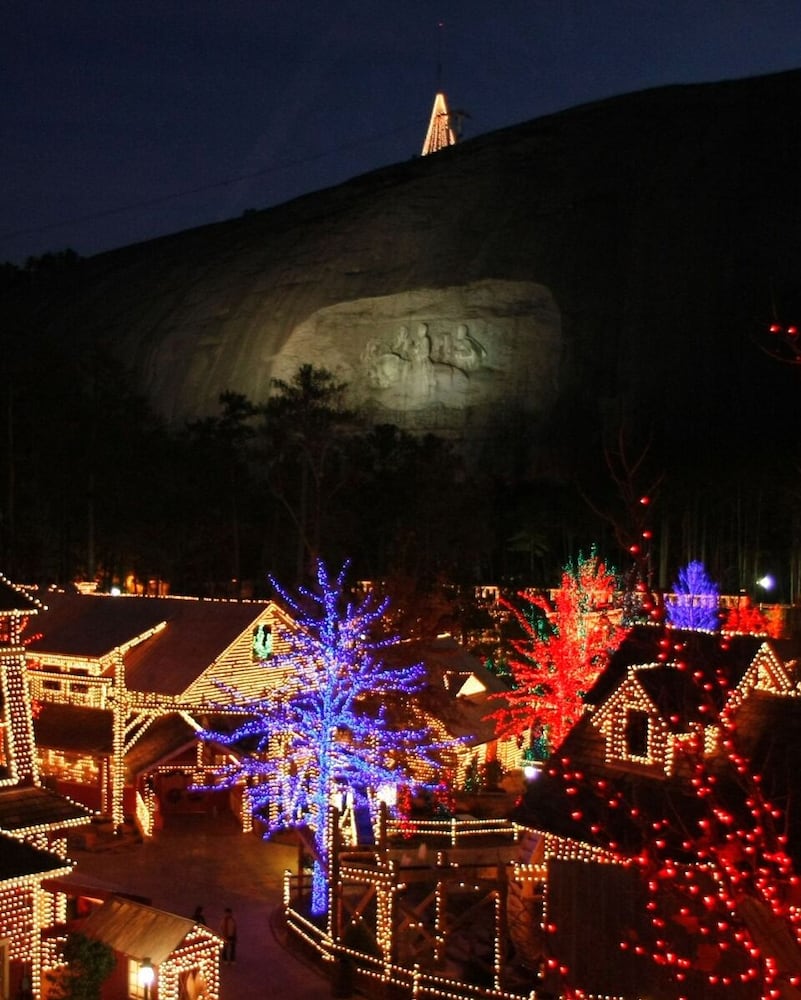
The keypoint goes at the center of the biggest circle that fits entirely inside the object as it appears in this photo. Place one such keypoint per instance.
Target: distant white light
(388, 794)
(766, 582)
(530, 772)
(115, 591)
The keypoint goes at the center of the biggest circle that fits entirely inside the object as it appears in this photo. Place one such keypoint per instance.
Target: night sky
(127, 119)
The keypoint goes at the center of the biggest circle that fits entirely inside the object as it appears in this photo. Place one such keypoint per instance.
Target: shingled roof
(32, 807)
(94, 625)
(195, 632)
(140, 931)
(18, 859)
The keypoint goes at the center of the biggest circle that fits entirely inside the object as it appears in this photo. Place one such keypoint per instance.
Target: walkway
(211, 863)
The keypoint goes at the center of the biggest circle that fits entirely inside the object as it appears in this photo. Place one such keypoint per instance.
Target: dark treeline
(96, 487)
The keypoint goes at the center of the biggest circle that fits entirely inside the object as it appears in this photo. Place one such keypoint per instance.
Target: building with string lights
(664, 830)
(123, 684)
(168, 956)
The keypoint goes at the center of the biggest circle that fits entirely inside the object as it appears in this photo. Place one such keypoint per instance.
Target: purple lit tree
(328, 730)
(694, 603)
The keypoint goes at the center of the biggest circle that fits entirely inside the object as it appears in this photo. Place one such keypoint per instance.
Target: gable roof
(18, 859)
(448, 665)
(15, 599)
(94, 625)
(178, 637)
(709, 657)
(577, 788)
(164, 737)
(32, 807)
(196, 634)
(141, 931)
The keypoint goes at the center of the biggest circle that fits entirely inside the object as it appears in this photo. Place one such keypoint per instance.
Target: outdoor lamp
(146, 975)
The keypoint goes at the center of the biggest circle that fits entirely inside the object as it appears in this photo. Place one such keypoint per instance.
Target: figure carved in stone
(417, 371)
(468, 353)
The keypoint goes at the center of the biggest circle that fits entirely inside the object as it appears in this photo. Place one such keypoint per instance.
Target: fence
(367, 890)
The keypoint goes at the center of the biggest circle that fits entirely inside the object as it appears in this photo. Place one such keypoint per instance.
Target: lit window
(262, 642)
(135, 989)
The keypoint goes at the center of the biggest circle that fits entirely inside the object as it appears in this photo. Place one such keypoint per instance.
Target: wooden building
(34, 821)
(183, 957)
(684, 734)
(122, 684)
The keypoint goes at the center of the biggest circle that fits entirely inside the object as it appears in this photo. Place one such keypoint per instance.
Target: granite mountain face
(613, 265)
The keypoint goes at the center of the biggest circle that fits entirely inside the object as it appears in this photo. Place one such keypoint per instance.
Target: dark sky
(126, 119)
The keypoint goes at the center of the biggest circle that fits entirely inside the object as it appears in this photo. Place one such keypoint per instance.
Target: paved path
(211, 863)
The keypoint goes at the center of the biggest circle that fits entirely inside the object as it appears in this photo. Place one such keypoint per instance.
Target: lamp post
(146, 976)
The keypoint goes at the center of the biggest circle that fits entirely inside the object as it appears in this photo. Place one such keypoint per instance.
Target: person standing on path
(228, 930)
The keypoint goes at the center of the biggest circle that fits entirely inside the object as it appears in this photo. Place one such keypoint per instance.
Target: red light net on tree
(566, 644)
(720, 895)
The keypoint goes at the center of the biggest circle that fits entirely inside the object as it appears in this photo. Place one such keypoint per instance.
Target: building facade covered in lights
(123, 684)
(37, 889)
(34, 821)
(665, 829)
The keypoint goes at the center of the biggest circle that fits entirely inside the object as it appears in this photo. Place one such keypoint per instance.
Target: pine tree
(694, 603)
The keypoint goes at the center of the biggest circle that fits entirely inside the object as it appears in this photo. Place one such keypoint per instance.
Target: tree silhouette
(302, 434)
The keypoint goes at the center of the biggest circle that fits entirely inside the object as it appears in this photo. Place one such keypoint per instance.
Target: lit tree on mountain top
(329, 730)
(565, 646)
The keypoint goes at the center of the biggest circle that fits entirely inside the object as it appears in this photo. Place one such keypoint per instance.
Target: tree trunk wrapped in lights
(336, 723)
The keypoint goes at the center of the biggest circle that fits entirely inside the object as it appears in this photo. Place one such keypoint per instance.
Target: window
(262, 642)
(136, 990)
(636, 733)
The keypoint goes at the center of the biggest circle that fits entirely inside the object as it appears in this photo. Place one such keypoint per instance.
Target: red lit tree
(565, 645)
(744, 617)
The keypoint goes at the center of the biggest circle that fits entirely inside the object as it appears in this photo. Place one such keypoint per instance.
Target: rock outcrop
(612, 263)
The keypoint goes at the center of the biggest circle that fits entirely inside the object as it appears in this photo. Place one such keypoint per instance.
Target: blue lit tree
(328, 730)
(694, 603)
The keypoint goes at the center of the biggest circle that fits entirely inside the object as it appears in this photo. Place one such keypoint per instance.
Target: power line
(151, 202)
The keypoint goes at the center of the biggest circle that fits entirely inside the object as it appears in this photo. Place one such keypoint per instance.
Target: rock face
(438, 360)
(607, 264)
